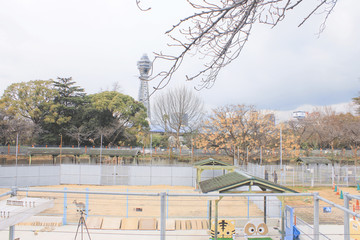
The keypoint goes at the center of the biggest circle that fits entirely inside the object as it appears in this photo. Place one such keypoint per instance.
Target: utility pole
(17, 148)
(101, 143)
(16, 156)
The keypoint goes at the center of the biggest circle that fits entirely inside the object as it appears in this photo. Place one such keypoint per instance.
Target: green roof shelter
(229, 182)
(76, 152)
(233, 180)
(210, 164)
(54, 152)
(113, 153)
(313, 160)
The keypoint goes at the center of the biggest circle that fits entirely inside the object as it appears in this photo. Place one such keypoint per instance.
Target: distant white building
(299, 114)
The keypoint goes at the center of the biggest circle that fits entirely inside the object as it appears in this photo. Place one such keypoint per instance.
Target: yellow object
(354, 230)
(226, 229)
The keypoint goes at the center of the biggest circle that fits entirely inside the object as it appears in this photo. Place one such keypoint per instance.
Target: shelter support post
(198, 177)
(265, 209)
(30, 159)
(216, 218)
(316, 216)
(209, 212)
(282, 218)
(346, 218)
(163, 215)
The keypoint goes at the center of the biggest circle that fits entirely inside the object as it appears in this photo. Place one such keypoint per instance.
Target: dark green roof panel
(55, 151)
(313, 160)
(211, 162)
(113, 152)
(220, 182)
(237, 179)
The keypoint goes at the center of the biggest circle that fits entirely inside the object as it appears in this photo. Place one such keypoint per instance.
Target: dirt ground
(181, 207)
(178, 207)
(304, 205)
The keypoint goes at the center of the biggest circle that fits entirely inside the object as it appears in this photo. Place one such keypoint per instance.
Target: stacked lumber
(46, 221)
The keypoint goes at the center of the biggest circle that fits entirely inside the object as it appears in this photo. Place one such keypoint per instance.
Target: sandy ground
(69, 231)
(304, 205)
(128, 206)
(143, 206)
(181, 207)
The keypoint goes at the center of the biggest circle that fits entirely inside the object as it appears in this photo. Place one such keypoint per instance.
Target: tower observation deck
(144, 66)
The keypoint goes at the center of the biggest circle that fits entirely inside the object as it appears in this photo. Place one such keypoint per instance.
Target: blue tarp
(296, 232)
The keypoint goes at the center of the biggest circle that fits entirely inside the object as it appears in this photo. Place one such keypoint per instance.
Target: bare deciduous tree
(219, 29)
(79, 134)
(178, 111)
(10, 126)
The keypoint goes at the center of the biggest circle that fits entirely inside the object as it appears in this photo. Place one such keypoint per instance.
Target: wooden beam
(216, 167)
(14, 210)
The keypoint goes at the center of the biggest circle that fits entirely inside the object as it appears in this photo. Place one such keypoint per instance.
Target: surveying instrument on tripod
(81, 224)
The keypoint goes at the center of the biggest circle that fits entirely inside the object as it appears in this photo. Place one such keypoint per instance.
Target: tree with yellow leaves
(235, 128)
(238, 129)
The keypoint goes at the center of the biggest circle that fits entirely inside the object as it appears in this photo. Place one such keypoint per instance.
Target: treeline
(58, 111)
(55, 112)
(326, 129)
(240, 130)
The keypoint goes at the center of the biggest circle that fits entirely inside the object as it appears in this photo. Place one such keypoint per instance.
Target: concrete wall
(24, 176)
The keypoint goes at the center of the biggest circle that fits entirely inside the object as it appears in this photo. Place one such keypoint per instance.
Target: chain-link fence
(186, 214)
(307, 175)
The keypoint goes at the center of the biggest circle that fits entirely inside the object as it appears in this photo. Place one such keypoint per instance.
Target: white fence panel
(24, 176)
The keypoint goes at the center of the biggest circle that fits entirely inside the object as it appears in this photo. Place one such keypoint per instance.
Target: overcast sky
(99, 42)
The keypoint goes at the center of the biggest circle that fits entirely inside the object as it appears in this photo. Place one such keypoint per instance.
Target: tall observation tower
(144, 66)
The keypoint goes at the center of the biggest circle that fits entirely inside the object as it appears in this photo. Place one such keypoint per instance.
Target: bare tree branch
(218, 31)
(142, 9)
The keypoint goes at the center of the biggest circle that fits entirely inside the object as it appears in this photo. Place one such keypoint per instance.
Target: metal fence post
(65, 207)
(162, 215)
(346, 218)
(127, 204)
(87, 203)
(12, 228)
(167, 204)
(11, 232)
(248, 208)
(316, 216)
